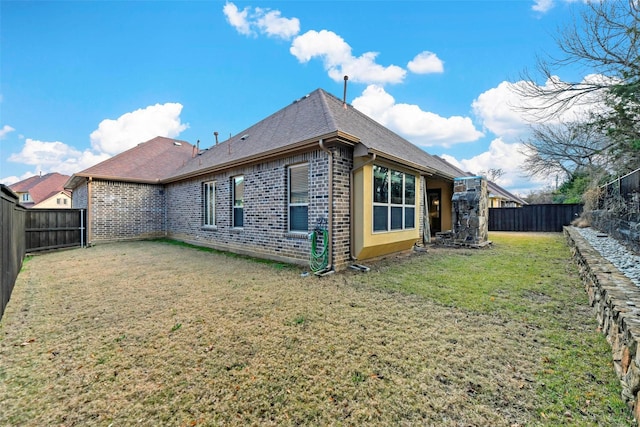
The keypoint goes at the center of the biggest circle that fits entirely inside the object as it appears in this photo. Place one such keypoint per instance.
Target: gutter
(330, 213)
(89, 211)
(342, 137)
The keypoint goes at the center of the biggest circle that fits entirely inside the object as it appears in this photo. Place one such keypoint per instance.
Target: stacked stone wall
(126, 211)
(616, 302)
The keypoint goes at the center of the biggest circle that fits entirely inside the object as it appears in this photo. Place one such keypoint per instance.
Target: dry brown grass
(148, 333)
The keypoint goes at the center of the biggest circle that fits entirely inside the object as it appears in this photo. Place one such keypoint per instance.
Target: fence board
(545, 217)
(47, 229)
(12, 243)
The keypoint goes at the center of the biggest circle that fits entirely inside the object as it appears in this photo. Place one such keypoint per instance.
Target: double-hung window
(394, 199)
(299, 198)
(209, 206)
(238, 201)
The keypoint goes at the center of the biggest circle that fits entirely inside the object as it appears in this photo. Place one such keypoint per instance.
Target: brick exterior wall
(342, 166)
(265, 231)
(125, 211)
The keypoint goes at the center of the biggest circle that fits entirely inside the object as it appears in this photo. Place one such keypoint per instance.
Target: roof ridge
(325, 107)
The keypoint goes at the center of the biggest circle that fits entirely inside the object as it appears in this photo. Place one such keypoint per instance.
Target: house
(501, 198)
(124, 196)
(316, 165)
(43, 192)
(498, 196)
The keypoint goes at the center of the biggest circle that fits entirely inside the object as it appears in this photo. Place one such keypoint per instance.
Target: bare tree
(492, 174)
(604, 39)
(565, 148)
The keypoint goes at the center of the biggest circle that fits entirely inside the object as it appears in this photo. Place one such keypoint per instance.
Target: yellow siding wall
(52, 202)
(446, 188)
(368, 244)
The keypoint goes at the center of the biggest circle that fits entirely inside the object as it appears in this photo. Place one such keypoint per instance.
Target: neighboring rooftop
(41, 187)
(147, 162)
(494, 189)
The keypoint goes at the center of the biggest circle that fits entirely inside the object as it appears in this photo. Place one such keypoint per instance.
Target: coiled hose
(318, 261)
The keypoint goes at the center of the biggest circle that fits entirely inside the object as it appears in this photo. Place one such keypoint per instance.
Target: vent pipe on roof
(196, 150)
(344, 96)
(216, 136)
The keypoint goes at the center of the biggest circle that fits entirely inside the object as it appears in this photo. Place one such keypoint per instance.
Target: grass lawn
(150, 333)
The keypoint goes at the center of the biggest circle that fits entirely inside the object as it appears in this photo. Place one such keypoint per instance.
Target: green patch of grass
(25, 261)
(275, 264)
(513, 275)
(358, 377)
(176, 326)
(530, 278)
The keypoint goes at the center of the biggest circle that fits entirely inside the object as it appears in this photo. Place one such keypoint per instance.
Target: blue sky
(82, 81)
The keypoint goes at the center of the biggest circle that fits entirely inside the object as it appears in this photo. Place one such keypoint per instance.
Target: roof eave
(337, 136)
(77, 178)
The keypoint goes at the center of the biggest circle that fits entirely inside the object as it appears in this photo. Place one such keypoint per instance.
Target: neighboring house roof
(41, 187)
(147, 162)
(494, 189)
(301, 124)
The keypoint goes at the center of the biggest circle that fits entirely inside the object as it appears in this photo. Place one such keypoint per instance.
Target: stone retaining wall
(616, 301)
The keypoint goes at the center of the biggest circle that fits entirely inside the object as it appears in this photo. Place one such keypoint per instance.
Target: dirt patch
(153, 334)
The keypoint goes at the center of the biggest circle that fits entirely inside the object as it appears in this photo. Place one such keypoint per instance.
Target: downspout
(330, 213)
(352, 178)
(89, 212)
(426, 225)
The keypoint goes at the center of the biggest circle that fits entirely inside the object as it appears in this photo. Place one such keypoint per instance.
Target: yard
(153, 333)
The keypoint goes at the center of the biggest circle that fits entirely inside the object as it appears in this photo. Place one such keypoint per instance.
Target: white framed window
(59, 201)
(209, 203)
(238, 201)
(394, 199)
(25, 197)
(298, 198)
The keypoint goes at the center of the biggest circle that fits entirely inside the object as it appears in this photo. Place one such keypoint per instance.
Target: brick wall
(342, 166)
(265, 232)
(123, 211)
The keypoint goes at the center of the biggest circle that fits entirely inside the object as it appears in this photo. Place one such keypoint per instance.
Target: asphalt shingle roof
(40, 188)
(148, 162)
(305, 121)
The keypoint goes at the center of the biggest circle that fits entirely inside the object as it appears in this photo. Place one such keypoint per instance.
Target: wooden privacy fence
(12, 243)
(547, 217)
(47, 229)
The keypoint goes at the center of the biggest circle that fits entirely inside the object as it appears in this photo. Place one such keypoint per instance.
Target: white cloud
(338, 60)
(111, 137)
(500, 110)
(425, 63)
(130, 129)
(55, 157)
(542, 6)
(237, 18)
(508, 157)
(6, 129)
(258, 20)
(272, 24)
(423, 128)
(8, 180)
(506, 113)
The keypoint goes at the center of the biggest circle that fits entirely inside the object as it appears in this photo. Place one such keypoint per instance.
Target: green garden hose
(318, 261)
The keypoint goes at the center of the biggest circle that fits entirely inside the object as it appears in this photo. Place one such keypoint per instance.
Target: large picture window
(299, 198)
(394, 199)
(238, 201)
(209, 205)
